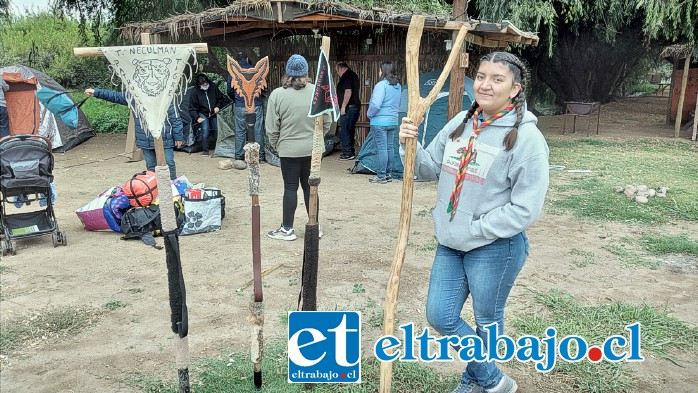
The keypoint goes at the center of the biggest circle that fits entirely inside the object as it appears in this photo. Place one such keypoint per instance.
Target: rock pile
(641, 193)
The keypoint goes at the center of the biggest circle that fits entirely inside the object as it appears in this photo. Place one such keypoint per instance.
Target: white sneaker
(319, 232)
(283, 234)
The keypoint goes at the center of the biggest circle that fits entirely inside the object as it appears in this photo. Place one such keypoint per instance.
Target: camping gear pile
(133, 208)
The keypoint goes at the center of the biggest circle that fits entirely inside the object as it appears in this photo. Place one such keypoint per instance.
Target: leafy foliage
(45, 42)
(590, 48)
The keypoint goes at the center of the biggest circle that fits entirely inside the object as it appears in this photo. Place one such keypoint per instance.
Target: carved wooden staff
(175, 279)
(312, 229)
(249, 83)
(417, 106)
(256, 305)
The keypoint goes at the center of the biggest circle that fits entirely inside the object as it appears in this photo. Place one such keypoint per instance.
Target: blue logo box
(324, 347)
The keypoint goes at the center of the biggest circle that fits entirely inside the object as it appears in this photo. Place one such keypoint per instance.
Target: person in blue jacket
(240, 112)
(172, 135)
(382, 111)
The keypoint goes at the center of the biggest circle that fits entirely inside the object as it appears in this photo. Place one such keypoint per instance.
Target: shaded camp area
(362, 38)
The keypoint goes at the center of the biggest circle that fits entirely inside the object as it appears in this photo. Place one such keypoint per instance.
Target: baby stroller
(26, 166)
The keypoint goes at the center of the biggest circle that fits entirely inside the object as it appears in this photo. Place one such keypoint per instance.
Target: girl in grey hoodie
(492, 166)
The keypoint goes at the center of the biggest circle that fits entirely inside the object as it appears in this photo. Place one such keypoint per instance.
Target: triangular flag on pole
(325, 95)
(151, 77)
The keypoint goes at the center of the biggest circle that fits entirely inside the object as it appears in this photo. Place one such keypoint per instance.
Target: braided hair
(517, 68)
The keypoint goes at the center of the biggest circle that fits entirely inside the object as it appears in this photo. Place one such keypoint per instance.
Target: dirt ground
(360, 223)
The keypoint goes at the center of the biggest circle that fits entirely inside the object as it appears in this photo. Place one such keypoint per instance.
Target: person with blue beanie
(290, 132)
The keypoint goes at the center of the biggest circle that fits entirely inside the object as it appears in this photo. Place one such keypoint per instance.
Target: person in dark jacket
(240, 112)
(172, 134)
(204, 104)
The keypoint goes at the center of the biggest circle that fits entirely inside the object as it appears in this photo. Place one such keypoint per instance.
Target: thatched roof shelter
(360, 37)
(251, 19)
(676, 52)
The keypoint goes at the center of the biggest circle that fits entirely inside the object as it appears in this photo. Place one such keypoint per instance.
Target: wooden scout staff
(151, 79)
(417, 106)
(256, 305)
(249, 83)
(324, 100)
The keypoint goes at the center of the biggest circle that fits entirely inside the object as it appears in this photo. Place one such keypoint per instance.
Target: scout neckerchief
(468, 154)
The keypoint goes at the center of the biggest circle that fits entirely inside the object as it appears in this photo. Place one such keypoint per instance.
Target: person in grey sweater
(492, 166)
(290, 132)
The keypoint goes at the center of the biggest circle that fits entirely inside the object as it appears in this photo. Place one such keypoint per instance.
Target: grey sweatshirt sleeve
(271, 120)
(428, 162)
(529, 180)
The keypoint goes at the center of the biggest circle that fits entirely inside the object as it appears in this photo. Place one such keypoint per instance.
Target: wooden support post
(682, 94)
(695, 121)
(672, 83)
(132, 153)
(457, 83)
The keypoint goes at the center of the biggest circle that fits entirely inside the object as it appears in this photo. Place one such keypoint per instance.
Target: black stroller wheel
(8, 247)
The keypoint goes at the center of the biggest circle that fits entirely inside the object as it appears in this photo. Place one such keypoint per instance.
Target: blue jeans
(241, 131)
(209, 125)
(384, 137)
(4, 122)
(487, 274)
(346, 134)
(151, 160)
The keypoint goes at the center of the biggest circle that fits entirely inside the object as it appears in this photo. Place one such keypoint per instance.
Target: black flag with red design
(325, 95)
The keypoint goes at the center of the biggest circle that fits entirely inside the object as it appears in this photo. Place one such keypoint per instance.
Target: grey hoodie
(503, 191)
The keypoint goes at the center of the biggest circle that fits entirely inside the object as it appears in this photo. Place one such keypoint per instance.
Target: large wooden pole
(169, 226)
(457, 83)
(416, 108)
(682, 94)
(674, 68)
(695, 121)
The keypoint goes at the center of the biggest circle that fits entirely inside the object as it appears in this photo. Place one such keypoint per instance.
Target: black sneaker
(388, 178)
(204, 152)
(345, 157)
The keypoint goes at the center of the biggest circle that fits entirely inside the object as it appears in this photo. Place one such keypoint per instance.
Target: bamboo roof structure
(251, 19)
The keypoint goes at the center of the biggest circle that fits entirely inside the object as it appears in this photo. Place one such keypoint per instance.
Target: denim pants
(151, 160)
(295, 171)
(4, 122)
(384, 137)
(241, 131)
(487, 274)
(347, 122)
(208, 126)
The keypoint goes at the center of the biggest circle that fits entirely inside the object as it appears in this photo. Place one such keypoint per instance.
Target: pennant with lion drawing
(152, 78)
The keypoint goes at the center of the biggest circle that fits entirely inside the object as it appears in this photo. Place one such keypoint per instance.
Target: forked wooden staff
(175, 279)
(417, 106)
(312, 229)
(256, 304)
(249, 83)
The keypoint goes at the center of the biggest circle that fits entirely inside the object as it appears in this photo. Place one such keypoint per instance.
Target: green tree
(588, 47)
(45, 42)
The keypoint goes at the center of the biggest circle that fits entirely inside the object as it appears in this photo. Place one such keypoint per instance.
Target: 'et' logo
(324, 347)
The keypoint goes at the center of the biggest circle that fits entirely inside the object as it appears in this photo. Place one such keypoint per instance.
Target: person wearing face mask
(204, 104)
(491, 163)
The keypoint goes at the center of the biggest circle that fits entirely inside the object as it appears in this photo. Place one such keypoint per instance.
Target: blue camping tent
(434, 120)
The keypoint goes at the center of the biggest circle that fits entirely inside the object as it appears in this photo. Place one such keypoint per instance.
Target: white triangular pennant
(151, 77)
